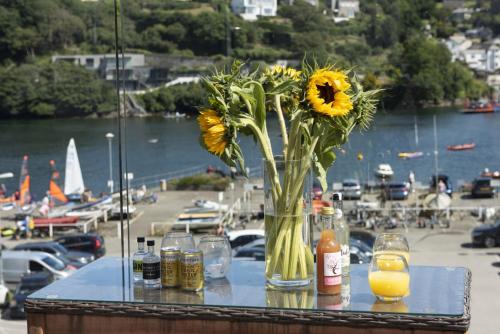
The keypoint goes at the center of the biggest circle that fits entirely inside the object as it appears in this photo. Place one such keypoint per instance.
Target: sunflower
(284, 72)
(326, 92)
(213, 131)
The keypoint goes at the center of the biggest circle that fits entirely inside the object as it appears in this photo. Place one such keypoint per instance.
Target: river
(177, 147)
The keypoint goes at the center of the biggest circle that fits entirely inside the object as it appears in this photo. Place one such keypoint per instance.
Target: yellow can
(191, 273)
(170, 266)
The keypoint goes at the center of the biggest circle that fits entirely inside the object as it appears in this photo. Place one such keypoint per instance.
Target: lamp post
(109, 137)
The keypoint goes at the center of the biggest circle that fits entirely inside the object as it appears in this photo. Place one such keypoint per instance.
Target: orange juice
(390, 284)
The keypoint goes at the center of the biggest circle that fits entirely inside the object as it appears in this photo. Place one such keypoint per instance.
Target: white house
(311, 2)
(250, 10)
(457, 44)
(344, 10)
(483, 57)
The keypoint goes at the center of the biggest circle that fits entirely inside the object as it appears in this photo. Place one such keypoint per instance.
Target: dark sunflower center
(326, 92)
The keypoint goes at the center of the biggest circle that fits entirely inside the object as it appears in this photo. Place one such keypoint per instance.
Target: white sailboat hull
(73, 179)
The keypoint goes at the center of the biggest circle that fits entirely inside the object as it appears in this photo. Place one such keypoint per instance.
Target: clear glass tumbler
(216, 255)
(182, 240)
(392, 243)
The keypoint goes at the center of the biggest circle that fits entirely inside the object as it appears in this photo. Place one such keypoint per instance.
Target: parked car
(242, 237)
(76, 258)
(29, 284)
(364, 236)
(351, 189)
(482, 188)
(15, 264)
(358, 256)
(85, 242)
(487, 235)
(4, 295)
(396, 191)
(255, 249)
(446, 180)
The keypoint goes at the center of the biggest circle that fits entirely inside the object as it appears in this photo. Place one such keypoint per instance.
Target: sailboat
(24, 184)
(73, 179)
(56, 194)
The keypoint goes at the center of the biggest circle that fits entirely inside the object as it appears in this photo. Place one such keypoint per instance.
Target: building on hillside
(344, 10)
(250, 10)
(290, 2)
(484, 57)
(461, 14)
(493, 80)
(141, 72)
(453, 4)
(135, 72)
(457, 44)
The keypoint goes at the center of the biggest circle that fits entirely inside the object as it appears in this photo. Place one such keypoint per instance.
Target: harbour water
(177, 147)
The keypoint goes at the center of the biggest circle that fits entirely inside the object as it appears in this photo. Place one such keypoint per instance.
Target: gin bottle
(151, 268)
(342, 231)
(137, 260)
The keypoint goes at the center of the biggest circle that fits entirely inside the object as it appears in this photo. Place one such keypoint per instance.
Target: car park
(351, 189)
(255, 250)
(482, 187)
(85, 242)
(74, 257)
(15, 264)
(29, 284)
(487, 235)
(242, 237)
(447, 182)
(396, 191)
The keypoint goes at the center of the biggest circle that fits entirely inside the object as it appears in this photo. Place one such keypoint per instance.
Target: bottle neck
(151, 249)
(337, 205)
(327, 222)
(140, 246)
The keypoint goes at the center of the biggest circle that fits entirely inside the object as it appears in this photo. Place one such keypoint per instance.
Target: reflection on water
(296, 299)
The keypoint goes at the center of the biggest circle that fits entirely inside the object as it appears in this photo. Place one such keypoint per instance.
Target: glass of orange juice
(389, 277)
(392, 243)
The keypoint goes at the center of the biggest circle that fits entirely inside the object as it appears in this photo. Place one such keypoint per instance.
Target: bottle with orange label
(328, 256)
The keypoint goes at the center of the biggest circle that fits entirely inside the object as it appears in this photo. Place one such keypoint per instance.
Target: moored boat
(461, 147)
(384, 171)
(55, 221)
(479, 107)
(410, 155)
(493, 175)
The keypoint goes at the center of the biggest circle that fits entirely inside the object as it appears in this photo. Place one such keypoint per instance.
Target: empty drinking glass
(216, 255)
(392, 243)
(182, 240)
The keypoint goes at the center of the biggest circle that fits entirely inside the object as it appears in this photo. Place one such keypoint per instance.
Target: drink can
(191, 273)
(170, 266)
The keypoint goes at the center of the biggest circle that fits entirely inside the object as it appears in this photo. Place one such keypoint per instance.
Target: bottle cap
(140, 239)
(327, 210)
(151, 242)
(337, 197)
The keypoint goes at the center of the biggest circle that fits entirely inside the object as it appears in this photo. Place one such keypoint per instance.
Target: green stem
(284, 136)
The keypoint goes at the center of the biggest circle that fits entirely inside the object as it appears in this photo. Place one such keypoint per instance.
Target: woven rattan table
(100, 298)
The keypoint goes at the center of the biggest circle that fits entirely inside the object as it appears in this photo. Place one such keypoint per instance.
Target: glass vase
(287, 210)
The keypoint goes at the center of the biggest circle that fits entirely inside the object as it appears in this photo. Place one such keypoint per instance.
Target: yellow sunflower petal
(326, 92)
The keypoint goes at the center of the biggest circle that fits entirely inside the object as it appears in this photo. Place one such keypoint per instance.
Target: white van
(17, 263)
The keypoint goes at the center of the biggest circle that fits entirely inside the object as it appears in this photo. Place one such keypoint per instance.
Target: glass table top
(433, 290)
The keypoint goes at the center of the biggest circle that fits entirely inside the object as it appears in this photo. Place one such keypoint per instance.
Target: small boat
(55, 221)
(6, 175)
(127, 211)
(153, 141)
(410, 155)
(461, 147)
(210, 205)
(384, 171)
(169, 115)
(479, 107)
(493, 175)
(73, 179)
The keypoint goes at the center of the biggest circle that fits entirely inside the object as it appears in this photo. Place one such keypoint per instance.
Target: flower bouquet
(316, 110)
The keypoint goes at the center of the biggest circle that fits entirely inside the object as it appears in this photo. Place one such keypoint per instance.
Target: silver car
(351, 189)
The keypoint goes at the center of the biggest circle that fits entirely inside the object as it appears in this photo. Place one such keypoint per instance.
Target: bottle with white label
(328, 257)
(342, 232)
